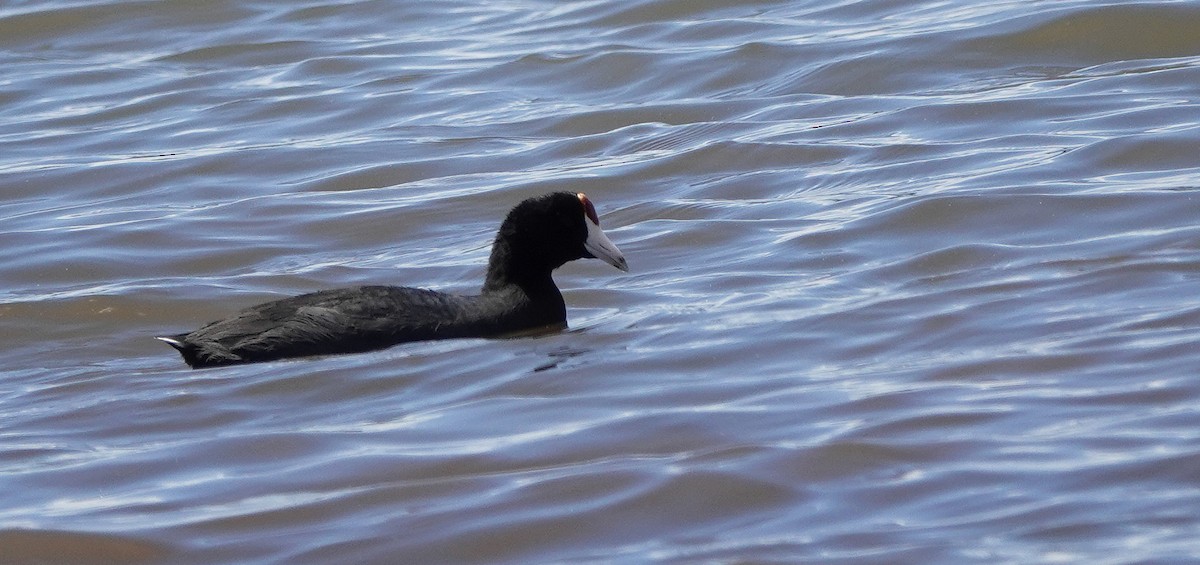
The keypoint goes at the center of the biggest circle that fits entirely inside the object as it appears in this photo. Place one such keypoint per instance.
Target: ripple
(912, 282)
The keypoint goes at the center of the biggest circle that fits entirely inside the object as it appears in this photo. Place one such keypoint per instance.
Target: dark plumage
(538, 235)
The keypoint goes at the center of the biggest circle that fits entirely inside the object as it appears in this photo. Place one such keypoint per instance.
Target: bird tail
(187, 350)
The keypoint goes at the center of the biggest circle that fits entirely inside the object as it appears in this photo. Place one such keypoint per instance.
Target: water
(911, 282)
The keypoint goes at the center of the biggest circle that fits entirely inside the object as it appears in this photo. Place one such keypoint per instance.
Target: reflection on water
(914, 283)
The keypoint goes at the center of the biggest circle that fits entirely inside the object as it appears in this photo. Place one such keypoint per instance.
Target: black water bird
(518, 295)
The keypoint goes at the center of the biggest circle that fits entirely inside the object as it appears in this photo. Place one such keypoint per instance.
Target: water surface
(911, 282)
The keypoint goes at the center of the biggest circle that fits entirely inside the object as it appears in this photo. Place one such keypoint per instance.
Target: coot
(538, 235)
